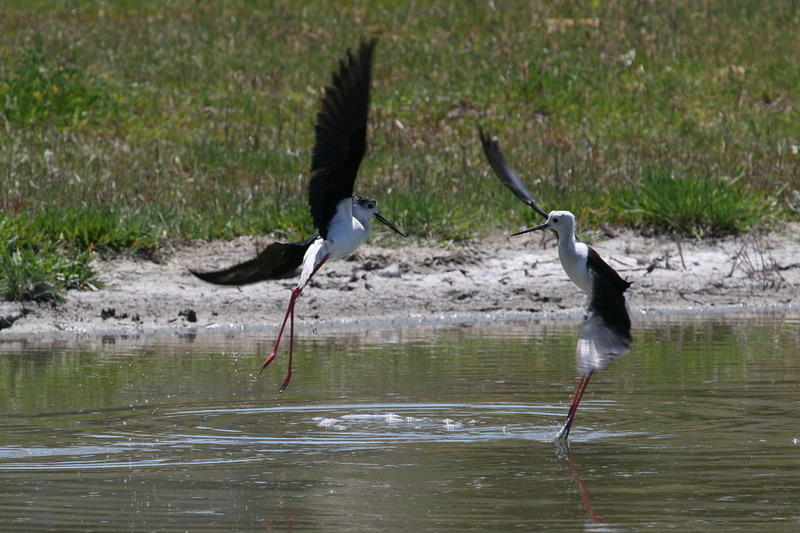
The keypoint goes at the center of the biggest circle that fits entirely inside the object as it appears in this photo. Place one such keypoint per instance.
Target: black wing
(341, 136)
(606, 330)
(276, 261)
(506, 173)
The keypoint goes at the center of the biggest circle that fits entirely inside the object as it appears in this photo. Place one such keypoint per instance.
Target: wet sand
(496, 278)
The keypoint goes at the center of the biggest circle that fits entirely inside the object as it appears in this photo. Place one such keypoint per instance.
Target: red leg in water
(289, 312)
(582, 384)
(289, 316)
(291, 350)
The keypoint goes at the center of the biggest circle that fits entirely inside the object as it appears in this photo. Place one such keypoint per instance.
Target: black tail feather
(276, 261)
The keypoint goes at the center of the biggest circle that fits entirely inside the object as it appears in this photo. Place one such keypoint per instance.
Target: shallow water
(406, 429)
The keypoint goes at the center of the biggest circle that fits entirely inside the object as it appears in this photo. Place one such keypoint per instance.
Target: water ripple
(236, 435)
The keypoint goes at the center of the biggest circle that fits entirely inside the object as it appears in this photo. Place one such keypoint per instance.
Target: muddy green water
(406, 429)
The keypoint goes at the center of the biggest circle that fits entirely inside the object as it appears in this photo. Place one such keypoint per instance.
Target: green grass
(35, 91)
(693, 205)
(102, 229)
(126, 124)
(43, 275)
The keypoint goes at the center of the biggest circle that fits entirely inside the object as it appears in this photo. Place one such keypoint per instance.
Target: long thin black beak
(388, 224)
(535, 228)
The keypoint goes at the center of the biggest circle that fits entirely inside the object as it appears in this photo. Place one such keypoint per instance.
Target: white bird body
(341, 218)
(605, 333)
(349, 229)
(573, 255)
(601, 342)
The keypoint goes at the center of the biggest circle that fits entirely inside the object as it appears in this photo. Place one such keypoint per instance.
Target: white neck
(574, 256)
(359, 216)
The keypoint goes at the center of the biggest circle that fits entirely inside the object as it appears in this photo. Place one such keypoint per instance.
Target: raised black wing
(340, 136)
(506, 173)
(606, 330)
(276, 261)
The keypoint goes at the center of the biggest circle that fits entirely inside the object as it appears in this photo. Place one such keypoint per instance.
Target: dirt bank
(495, 278)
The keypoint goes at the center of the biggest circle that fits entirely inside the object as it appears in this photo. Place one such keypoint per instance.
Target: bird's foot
(267, 361)
(285, 382)
(563, 433)
(563, 450)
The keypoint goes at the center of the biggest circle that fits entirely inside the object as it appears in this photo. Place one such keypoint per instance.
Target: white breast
(346, 232)
(573, 256)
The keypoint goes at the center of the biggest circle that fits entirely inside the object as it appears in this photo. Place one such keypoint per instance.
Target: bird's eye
(555, 221)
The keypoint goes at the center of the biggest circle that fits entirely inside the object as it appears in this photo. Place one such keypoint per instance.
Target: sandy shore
(490, 279)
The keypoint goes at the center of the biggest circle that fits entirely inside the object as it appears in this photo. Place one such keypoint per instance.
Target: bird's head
(562, 222)
(365, 208)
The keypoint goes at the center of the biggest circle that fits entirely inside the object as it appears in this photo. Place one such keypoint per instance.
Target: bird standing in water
(343, 220)
(606, 330)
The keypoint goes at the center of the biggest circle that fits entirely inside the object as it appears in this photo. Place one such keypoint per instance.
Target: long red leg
(582, 384)
(289, 316)
(291, 351)
(289, 312)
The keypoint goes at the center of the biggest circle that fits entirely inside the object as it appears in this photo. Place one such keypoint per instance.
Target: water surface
(406, 429)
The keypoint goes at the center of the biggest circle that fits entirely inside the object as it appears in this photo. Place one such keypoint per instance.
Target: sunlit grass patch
(693, 205)
(103, 229)
(44, 274)
(34, 267)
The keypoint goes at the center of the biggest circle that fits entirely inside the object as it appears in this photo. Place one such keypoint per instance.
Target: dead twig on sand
(756, 262)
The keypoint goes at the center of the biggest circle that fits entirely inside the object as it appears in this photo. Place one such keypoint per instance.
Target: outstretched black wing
(606, 330)
(341, 136)
(276, 261)
(506, 173)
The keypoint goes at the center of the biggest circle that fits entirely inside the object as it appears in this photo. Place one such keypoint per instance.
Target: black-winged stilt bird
(606, 330)
(341, 218)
